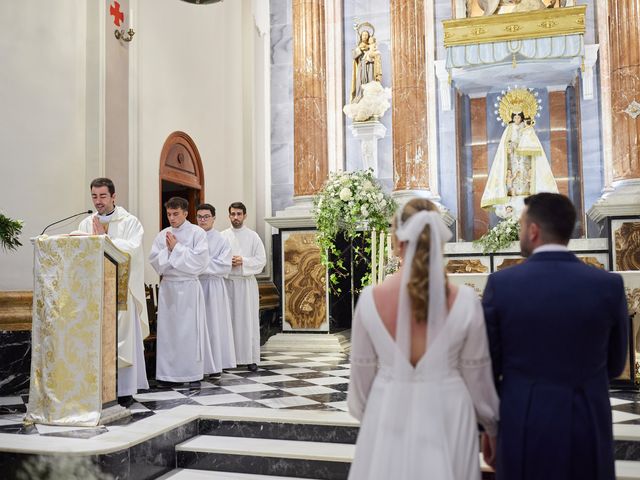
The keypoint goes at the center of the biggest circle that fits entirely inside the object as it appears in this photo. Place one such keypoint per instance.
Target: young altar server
(180, 254)
(126, 232)
(248, 260)
(215, 291)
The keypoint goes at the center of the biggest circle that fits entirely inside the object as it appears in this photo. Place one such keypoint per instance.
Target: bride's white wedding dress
(421, 422)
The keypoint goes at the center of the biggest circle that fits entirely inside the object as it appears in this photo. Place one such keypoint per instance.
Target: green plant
(9, 233)
(352, 203)
(500, 236)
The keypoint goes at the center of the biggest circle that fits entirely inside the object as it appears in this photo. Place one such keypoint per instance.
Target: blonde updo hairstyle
(418, 286)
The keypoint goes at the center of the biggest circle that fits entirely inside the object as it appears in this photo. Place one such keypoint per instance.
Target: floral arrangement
(9, 233)
(500, 236)
(352, 203)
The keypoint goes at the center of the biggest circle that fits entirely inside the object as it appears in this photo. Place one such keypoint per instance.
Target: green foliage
(352, 203)
(9, 233)
(68, 467)
(500, 236)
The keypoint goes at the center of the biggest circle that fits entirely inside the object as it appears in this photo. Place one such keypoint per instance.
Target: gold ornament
(364, 26)
(515, 101)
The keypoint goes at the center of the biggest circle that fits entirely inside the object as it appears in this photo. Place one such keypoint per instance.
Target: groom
(558, 332)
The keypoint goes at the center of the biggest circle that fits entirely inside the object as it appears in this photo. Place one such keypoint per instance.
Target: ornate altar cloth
(74, 337)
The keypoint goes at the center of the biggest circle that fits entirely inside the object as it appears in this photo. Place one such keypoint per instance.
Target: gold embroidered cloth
(66, 382)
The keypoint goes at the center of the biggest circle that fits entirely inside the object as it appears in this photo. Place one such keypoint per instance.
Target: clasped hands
(171, 241)
(98, 228)
(236, 260)
(489, 450)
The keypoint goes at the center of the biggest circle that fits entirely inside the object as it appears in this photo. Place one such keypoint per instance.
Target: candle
(381, 263)
(373, 257)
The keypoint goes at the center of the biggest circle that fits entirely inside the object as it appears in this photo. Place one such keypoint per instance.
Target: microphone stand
(68, 218)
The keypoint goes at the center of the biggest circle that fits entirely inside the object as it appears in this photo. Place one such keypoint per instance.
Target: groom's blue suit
(558, 331)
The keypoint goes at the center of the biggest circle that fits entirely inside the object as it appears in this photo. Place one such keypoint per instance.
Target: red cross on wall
(118, 16)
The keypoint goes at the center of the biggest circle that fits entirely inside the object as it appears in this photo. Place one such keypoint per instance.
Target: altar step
(191, 474)
(309, 342)
(302, 443)
(219, 457)
(291, 445)
(289, 458)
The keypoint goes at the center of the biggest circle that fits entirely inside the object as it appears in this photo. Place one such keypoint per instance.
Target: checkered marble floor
(284, 380)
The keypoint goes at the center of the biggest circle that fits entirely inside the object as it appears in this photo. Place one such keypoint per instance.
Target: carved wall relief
(627, 246)
(467, 265)
(477, 8)
(593, 261)
(304, 282)
(509, 262)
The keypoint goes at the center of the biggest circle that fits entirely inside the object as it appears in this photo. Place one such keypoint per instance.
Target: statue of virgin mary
(520, 167)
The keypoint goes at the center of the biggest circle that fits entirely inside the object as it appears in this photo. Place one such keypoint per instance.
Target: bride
(420, 365)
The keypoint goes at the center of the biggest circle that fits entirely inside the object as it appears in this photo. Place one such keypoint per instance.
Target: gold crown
(515, 101)
(364, 26)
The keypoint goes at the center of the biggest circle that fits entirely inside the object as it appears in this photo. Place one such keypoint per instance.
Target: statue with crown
(520, 167)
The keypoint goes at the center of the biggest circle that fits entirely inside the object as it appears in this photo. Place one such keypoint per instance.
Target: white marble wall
(592, 148)
(281, 105)
(375, 12)
(447, 168)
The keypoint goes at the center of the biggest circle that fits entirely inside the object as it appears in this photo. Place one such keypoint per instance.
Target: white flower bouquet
(501, 236)
(351, 203)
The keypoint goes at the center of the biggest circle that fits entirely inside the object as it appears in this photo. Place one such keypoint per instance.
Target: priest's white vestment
(126, 232)
(243, 292)
(217, 301)
(183, 353)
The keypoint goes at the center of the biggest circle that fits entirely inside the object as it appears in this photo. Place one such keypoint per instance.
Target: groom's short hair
(555, 215)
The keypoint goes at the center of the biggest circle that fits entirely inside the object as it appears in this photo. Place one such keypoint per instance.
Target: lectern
(80, 282)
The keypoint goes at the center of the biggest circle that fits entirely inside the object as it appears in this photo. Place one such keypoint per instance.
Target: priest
(247, 261)
(215, 291)
(126, 232)
(179, 254)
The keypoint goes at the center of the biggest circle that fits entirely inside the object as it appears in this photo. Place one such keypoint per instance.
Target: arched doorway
(181, 174)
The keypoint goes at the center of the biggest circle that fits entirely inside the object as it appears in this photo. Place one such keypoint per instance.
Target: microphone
(60, 221)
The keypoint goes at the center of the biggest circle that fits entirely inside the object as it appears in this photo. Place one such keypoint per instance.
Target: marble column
(622, 197)
(411, 163)
(410, 118)
(624, 41)
(309, 99)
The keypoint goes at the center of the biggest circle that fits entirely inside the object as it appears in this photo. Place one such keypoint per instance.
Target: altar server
(180, 254)
(126, 232)
(248, 260)
(215, 291)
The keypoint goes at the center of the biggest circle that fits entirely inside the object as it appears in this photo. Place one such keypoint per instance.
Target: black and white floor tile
(284, 380)
(291, 380)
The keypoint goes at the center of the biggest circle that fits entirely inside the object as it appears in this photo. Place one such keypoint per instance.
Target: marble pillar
(309, 98)
(410, 118)
(369, 133)
(412, 171)
(622, 197)
(624, 38)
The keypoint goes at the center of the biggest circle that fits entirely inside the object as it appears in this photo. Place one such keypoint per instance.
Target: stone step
(308, 342)
(302, 459)
(627, 470)
(279, 430)
(191, 474)
(326, 461)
